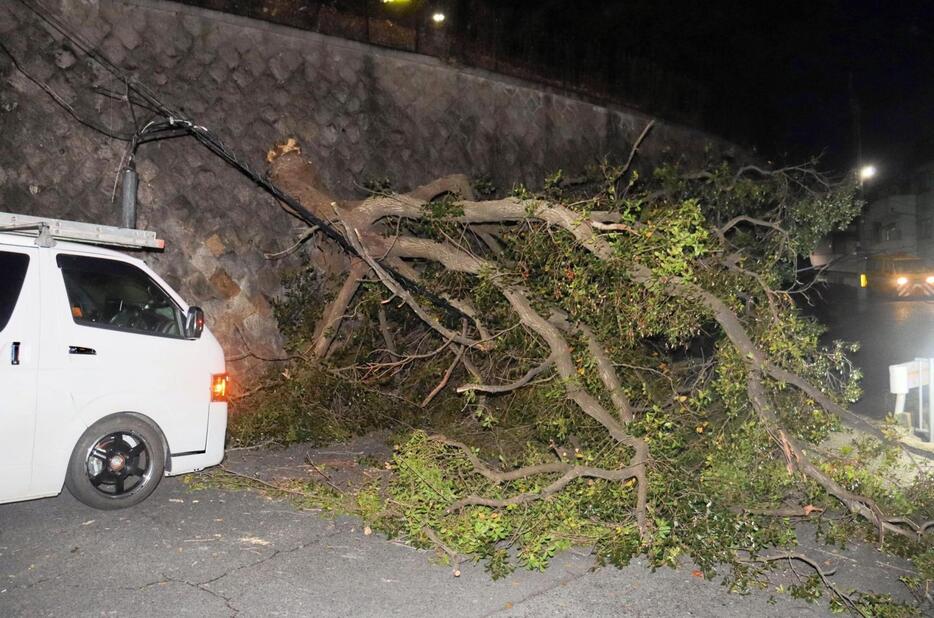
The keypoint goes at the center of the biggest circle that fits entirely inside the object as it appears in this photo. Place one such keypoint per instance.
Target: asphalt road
(215, 553)
(889, 332)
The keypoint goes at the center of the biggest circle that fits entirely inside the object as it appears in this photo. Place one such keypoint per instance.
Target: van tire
(116, 463)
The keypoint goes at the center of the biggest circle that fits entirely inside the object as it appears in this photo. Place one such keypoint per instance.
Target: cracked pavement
(217, 553)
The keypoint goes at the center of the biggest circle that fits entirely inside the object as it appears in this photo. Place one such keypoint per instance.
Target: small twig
(447, 375)
(613, 227)
(253, 479)
(804, 511)
(326, 478)
(288, 251)
(505, 388)
(821, 573)
(253, 447)
(384, 330)
(632, 155)
(436, 539)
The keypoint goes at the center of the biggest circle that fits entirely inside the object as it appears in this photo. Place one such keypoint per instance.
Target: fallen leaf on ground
(810, 508)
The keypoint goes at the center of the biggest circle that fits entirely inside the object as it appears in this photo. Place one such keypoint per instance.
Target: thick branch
(461, 304)
(860, 505)
(458, 184)
(458, 260)
(729, 225)
(634, 471)
(330, 322)
(497, 476)
(354, 238)
(607, 374)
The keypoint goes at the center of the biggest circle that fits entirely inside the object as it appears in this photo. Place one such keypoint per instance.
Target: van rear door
(19, 363)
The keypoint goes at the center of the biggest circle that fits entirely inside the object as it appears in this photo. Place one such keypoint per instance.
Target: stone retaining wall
(360, 113)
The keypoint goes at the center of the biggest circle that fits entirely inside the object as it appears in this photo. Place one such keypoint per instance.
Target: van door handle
(76, 349)
(14, 353)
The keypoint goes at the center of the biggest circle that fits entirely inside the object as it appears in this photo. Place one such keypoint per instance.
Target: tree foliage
(617, 362)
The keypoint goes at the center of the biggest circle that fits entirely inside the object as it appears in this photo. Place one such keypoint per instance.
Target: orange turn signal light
(219, 387)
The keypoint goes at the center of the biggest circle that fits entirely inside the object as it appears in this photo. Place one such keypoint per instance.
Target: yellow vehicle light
(930, 280)
(219, 387)
(901, 280)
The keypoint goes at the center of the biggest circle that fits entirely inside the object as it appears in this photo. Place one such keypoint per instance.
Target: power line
(100, 128)
(176, 125)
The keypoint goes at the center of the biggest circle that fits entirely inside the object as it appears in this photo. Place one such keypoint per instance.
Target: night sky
(780, 72)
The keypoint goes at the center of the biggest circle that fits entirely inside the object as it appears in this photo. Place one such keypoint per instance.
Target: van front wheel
(117, 463)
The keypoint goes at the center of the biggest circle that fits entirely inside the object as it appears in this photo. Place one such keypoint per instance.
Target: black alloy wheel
(117, 463)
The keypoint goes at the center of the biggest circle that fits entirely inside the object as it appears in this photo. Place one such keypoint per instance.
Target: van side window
(12, 274)
(116, 295)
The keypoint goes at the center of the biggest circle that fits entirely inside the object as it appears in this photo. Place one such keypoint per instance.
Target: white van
(108, 379)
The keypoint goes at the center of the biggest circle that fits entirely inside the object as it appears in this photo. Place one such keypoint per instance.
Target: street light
(438, 17)
(867, 172)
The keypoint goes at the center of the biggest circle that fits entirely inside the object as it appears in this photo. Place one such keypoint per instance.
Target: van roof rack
(48, 230)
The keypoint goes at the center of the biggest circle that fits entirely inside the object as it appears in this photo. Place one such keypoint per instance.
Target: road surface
(889, 332)
(214, 553)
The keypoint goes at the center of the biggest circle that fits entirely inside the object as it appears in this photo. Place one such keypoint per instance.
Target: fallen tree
(642, 327)
(630, 337)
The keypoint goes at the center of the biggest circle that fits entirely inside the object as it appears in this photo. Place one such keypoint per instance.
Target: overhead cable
(175, 124)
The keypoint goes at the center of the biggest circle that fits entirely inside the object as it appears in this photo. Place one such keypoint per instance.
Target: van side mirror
(194, 322)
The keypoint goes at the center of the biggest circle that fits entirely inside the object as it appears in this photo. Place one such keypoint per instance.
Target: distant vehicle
(899, 276)
(108, 379)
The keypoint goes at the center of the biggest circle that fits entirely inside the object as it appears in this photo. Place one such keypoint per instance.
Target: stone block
(283, 64)
(193, 24)
(254, 63)
(262, 306)
(199, 288)
(8, 21)
(125, 32)
(218, 72)
(112, 49)
(64, 59)
(228, 54)
(242, 78)
(215, 245)
(179, 42)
